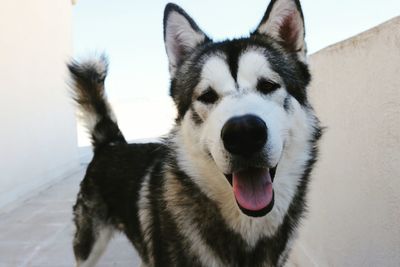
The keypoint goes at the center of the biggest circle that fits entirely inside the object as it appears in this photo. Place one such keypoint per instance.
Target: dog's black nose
(244, 135)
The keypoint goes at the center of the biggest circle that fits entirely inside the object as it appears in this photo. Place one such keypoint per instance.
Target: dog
(227, 186)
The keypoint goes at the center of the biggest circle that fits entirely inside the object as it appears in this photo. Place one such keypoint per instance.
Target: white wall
(354, 217)
(37, 125)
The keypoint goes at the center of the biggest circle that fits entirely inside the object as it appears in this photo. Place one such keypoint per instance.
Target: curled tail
(88, 92)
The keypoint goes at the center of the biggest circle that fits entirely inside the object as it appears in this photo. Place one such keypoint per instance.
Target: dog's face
(242, 103)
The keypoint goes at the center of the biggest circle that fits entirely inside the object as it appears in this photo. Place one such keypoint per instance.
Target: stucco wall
(37, 125)
(354, 217)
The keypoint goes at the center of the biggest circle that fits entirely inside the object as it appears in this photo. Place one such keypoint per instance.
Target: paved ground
(39, 232)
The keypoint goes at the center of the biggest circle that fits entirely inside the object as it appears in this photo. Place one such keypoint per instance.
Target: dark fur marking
(196, 117)
(286, 104)
(233, 53)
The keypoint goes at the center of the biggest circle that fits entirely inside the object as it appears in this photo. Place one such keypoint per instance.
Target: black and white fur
(174, 199)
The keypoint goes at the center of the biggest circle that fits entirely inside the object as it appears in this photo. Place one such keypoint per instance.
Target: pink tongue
(252, 188)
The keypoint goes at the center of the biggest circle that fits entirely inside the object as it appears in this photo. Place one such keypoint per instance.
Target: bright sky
(131, 33)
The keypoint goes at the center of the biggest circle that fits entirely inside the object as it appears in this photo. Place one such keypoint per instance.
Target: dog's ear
(181, 35)
(284, 21)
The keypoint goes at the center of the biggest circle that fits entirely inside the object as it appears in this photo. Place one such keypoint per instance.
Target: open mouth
(253, 190)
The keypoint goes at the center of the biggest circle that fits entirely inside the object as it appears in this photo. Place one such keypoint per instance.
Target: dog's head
(242, 105)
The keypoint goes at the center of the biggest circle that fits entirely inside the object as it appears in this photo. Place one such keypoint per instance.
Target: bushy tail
(88, 92)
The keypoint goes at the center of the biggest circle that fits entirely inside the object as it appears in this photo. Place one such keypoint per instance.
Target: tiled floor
(39, 232)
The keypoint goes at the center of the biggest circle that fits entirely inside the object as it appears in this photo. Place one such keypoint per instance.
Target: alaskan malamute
(227, 186)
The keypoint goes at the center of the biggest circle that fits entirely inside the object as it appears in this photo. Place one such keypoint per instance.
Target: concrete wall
(354, 217)
(37, 125)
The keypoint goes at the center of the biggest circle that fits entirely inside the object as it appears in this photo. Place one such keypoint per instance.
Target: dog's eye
(265, 86)
(208, 97)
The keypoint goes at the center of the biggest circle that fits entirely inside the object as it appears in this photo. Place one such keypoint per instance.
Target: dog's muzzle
(243, 137)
